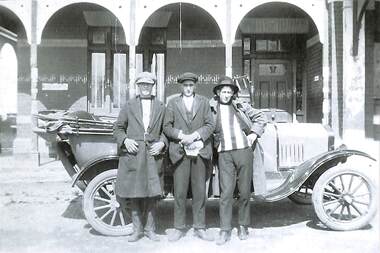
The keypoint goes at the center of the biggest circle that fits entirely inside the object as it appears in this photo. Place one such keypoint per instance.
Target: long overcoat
(201, 121)
(138, 174)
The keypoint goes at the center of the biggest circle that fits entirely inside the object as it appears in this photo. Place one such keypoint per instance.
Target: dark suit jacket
(176, 120)
(138, 174)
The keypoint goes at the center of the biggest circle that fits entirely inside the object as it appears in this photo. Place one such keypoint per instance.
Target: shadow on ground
(276, 214)
(318, 225)
(74, 209)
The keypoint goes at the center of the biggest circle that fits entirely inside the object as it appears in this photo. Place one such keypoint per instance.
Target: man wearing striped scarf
(238, 126)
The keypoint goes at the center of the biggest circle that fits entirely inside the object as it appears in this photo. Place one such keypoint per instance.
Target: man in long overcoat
(138, 132)
(188, 125)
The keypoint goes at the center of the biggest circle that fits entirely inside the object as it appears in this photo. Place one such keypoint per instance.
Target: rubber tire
(300, 200)
(317, 199)
(87, 206)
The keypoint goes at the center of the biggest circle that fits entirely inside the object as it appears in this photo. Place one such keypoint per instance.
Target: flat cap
(146, 77)
(226, 81)
(187, 76)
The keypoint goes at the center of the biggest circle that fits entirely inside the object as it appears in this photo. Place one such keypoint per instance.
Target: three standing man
(238, 126)
(187, 127)
(188, 122)
(141, 142)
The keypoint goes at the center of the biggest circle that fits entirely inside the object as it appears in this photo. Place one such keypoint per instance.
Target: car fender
(312, 167)
(91, 164)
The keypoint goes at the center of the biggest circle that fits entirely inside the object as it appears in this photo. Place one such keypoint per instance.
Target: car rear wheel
(105, 213)
(344, 199)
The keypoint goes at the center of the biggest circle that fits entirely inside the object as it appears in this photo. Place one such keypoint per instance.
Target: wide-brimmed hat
(225, 81)
(187, 76)
(145, 77)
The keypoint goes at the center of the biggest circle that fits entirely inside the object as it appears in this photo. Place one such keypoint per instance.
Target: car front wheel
(344, 199)
(105, 213)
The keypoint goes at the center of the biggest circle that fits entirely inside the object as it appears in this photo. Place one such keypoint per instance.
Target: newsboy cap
(145, 77)
(225, 81)
(187, 76)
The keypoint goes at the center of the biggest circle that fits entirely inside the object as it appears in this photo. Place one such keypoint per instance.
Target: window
(98, 76)
(119, 79)
(108, 66)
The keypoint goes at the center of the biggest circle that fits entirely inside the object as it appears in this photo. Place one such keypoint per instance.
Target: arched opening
(8, 96)
(8, 81)
(282, 55)
(83, 60)
(180, 38)
(14, 76)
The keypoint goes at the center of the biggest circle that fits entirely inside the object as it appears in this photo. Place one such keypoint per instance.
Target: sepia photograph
(189, 126)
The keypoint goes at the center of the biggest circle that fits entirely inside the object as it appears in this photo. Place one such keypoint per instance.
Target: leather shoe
(135, 237)
(176, 235)
(152, 236)
(243, 232)
(202, 234)
(224, 236)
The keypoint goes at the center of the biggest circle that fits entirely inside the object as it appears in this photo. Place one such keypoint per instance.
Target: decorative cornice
(82, 43)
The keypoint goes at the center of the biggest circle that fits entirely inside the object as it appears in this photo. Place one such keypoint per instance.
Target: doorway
(273, 84)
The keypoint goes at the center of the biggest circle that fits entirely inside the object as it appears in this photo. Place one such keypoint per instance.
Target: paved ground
(40, 212)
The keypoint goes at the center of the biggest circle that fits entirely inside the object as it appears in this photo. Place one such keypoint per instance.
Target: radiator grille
(291, 154)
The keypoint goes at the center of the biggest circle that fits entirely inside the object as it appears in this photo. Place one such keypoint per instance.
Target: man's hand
(251, 138)
(156, 148)
(131, 145)
(195, 145)
(187, 139)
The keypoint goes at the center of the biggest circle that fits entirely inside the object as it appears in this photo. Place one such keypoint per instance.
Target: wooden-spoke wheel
(105, 213)
(344, 199)
(303, 195)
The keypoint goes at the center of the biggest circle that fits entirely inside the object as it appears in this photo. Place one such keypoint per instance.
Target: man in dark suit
(188, 124)
(138, 132)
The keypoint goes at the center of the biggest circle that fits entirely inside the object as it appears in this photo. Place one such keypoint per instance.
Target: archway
(178, 38)
(8, 81)
(14, 78)
(90, 60)
(281, 53)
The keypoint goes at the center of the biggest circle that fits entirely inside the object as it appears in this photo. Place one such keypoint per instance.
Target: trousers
(143, 214)
(235, 167)
(194, 170)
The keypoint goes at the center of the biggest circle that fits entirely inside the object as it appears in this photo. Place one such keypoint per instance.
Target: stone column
(228, 60)
(26, 144)
(353, 80)
(336, 61)
(326, 104)
(228, 40)
(132, 50)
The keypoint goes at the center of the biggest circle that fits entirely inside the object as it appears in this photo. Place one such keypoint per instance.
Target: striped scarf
(232, 136)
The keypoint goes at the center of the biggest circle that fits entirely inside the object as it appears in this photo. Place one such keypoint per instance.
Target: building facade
(319, 60)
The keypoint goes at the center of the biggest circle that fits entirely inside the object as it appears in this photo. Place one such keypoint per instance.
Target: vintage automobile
(300, 161)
